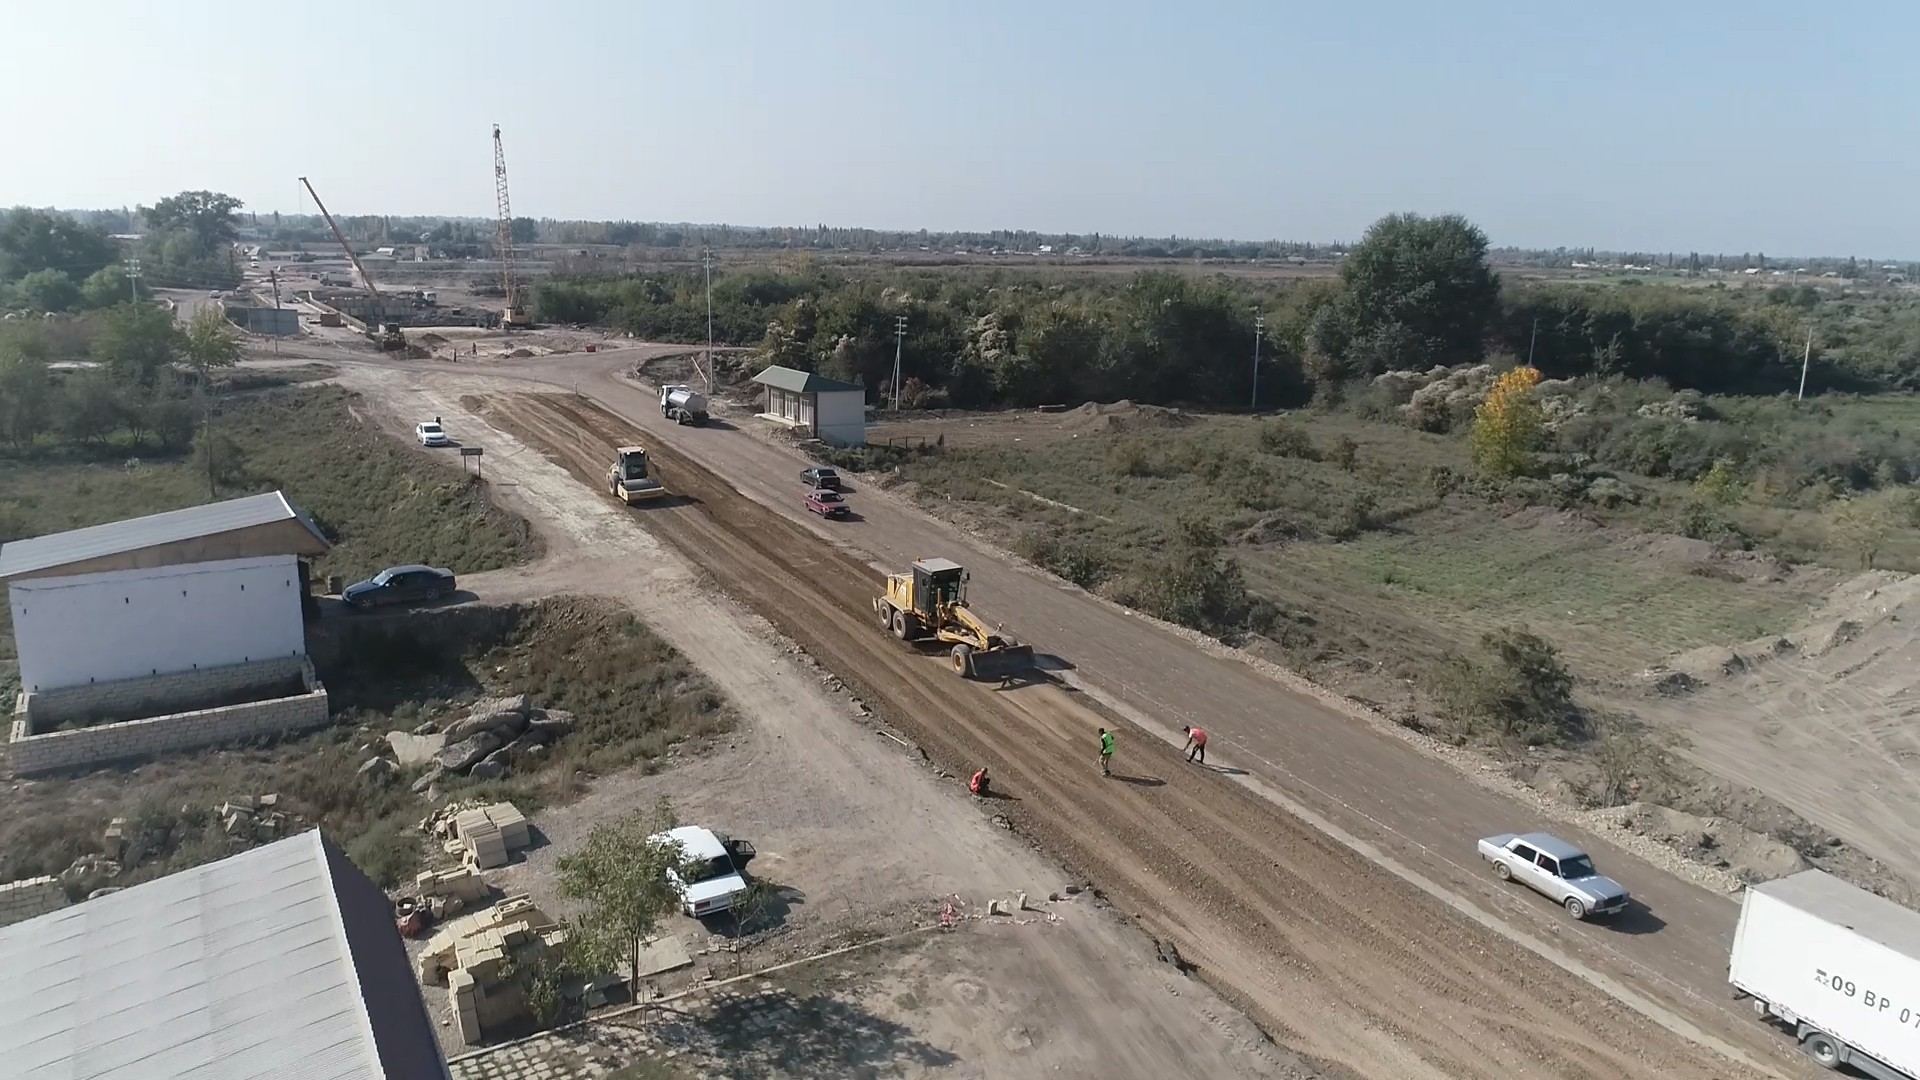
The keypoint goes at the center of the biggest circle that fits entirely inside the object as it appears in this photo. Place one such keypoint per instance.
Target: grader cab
(930, 601)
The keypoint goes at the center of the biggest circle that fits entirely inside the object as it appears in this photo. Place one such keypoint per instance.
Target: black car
(821, 478)
(399, 585)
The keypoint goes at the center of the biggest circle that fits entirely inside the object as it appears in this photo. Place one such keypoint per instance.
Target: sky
(1787, 128)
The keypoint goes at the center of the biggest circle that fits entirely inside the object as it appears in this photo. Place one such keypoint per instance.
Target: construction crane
(387, 335)
(513, 316)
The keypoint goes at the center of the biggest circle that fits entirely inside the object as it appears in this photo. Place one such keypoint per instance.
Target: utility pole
(273, 275)
(133, 279)
(1531, 340)
(706, 259)
(899, 342)
(1805, 361)
(1259, 328)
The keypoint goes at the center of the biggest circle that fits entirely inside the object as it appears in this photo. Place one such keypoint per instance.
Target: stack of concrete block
(512, 825)
(487, 836)
(447, 892)
(466, 1006)
(485, 847)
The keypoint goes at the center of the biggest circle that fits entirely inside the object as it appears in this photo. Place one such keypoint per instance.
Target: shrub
(1345, 453)
(1515, 692)
(1286, 440)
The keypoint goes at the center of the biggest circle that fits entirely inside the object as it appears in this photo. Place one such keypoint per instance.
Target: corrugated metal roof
(803, 382)
(135, 534)
(239, 969)
(1875, 918)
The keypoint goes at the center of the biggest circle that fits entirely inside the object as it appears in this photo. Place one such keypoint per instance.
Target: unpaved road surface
(1339, 959)
(860, 835)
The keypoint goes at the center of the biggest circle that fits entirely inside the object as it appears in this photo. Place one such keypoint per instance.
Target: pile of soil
(1748, 855)
(1122, 415)
(432, 339)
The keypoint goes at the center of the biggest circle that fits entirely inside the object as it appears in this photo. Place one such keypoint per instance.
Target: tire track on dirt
(1354, 966)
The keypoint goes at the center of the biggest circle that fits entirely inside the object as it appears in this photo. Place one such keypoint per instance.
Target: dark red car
(827, 504)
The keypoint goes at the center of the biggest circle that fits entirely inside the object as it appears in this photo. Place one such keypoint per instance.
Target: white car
(712, 880)
(431, 434)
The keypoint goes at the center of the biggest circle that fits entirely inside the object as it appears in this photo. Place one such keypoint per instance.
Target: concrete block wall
(154, 694)
(22, 900)
(55, 751)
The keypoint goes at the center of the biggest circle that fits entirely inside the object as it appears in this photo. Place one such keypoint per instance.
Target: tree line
(1413, 293)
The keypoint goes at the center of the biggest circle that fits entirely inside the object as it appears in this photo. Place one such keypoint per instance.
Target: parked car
(399, 585)
(1556, 869)
(827, 504)
(712, 878)
(431, 434)
(819, 478)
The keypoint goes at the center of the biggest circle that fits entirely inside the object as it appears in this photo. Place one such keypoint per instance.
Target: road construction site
(1335, 957)
(1312, 878)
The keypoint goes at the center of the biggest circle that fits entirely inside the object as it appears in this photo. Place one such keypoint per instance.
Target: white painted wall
(94, 627)
(840, 417)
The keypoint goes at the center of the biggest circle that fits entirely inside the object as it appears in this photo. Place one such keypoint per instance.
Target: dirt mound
(1122, 415)
(520, 354)
(432, 339)
(1748, 855)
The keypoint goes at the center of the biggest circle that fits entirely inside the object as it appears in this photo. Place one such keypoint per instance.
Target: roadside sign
(470, 451)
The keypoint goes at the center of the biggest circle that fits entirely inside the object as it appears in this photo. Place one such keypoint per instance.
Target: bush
(389, 851)
(1286, 440)
(1516, 692)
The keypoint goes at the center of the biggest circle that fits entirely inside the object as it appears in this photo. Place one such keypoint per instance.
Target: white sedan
(431, 434)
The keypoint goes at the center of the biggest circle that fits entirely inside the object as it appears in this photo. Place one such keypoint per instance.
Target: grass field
(380, 503)
(1349, 527)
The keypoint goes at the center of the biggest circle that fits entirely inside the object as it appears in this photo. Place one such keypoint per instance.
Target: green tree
(89, 407)
(1864, 524)
(1719, 484)
(47, 290)
(106, 287)
(138, 341)
(207, 216)
(1430, 276)
(525, 230)
(1516, 690)
(33, 240)
(209, 343)
(622, 874)
(26, 397)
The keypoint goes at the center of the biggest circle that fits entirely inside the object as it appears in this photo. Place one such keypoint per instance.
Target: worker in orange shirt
(978, 784)
(1196, 743)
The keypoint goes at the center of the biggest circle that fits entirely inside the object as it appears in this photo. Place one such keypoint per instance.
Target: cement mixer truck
(682, 405)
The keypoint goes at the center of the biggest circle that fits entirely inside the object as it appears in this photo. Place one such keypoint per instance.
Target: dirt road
(1338, 958)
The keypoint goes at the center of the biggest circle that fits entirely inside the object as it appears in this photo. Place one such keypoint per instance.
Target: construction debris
(254, 818)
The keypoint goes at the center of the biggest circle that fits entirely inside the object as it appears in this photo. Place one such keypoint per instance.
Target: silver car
(1556, 869)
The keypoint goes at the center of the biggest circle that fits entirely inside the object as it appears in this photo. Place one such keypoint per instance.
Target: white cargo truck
(1838, 966)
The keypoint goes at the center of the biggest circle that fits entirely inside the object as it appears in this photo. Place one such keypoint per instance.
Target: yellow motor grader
(930, 601)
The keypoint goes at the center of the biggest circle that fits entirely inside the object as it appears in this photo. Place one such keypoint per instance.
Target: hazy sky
(1779, 127)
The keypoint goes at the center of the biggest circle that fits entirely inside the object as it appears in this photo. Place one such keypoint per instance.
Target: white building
(828, 409)
(209, 586)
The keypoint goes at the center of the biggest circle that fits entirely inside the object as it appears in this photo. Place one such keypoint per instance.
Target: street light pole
(133, 279)
(1805, 361)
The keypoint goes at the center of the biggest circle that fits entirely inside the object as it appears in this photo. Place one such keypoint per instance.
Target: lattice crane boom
(504, 240)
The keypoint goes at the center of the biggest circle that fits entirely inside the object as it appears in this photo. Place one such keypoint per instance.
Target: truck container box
(1821, 953)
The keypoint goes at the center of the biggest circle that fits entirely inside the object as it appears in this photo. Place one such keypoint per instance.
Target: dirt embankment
(1339, 959)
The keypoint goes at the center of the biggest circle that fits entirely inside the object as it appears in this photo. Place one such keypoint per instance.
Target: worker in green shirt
(1106, 752)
